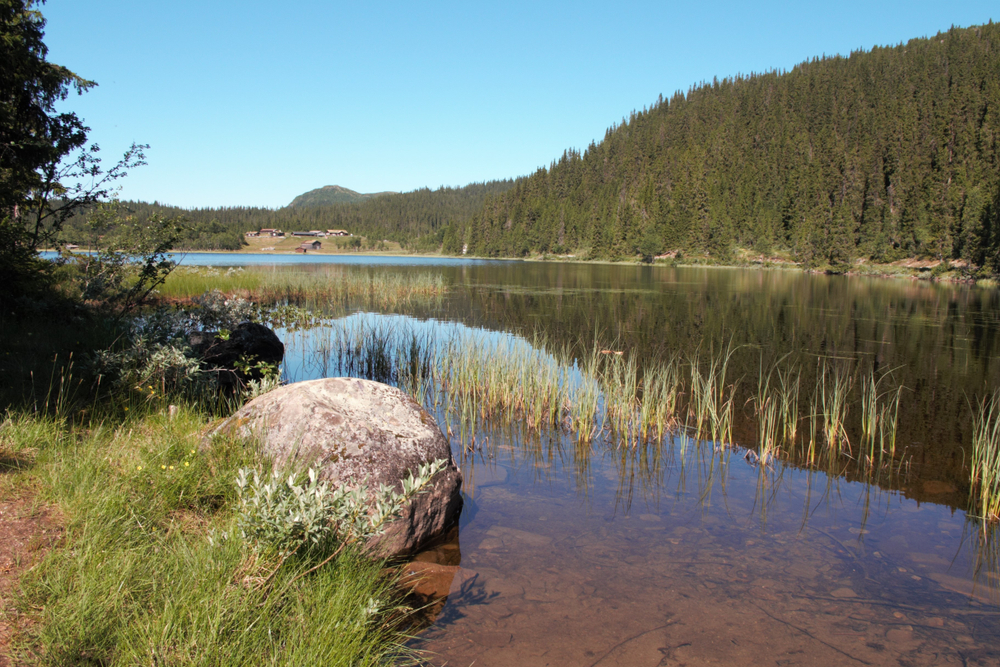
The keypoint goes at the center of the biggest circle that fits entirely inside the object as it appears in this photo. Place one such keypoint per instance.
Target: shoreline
(870, 270)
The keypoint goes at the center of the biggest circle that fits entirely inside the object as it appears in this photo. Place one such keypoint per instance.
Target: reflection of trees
(939, 341)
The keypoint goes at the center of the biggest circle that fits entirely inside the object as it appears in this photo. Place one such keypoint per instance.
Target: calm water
(683, 552)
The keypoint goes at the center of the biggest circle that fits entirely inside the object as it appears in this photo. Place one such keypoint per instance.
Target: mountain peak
(333, 194)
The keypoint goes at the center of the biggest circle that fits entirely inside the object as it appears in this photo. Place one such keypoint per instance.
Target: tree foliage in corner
(41, 185)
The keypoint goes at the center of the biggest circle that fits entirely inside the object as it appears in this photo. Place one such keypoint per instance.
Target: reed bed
(320, 289)
(985, 486)
(478, 378)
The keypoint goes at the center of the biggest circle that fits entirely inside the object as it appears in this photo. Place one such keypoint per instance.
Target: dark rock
(356, 430)
(248, 342)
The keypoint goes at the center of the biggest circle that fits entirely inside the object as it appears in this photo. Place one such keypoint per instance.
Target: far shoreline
(865, 269)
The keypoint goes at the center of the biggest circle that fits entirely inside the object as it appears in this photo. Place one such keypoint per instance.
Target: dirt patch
(27, 531)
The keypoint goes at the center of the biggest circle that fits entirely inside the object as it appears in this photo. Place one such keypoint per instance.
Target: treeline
(415, 219)
(880, 155)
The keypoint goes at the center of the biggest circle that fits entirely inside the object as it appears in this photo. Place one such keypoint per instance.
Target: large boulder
(356, 430)
(249, 343)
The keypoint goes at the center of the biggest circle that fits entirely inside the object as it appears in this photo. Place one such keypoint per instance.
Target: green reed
(767, 407)
(985, 469)
(661, 391)
(834, 387)
(789, 380)
(711, 398)
(333, 286)
(879, 417)
(584, 396)
(489, 380)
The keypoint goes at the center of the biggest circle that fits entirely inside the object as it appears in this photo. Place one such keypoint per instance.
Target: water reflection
(685, 550)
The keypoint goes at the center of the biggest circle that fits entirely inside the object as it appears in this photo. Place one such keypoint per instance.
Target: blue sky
(252, 103)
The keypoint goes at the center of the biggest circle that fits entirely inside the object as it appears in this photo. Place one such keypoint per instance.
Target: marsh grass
(767, 406)
(833, 387)
(711, 397)
(985, 462)
(879, 417)
(475, 379)
(323, 290)
(137, 580)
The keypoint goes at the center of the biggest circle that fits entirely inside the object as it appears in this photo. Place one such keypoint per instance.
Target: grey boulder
(356, 430)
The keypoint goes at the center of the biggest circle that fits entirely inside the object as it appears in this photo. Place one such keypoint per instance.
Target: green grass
(137, 579)
(985, 464)
(322, 288)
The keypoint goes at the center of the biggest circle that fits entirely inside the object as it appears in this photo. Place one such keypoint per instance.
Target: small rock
(844, 593)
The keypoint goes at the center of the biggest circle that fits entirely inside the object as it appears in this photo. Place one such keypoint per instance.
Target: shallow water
(684, 552)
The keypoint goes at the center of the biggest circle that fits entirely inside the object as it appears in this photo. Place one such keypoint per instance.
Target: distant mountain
(333, 194)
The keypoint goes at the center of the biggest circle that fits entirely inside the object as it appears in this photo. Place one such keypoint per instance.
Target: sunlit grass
(478, 380)
(137, 579)
(985, 463)
(319, 289)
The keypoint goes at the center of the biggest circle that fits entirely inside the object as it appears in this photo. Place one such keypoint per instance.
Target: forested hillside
(880, 155)
(416, 219)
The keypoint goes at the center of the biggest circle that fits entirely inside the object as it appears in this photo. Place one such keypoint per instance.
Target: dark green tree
(41, 183)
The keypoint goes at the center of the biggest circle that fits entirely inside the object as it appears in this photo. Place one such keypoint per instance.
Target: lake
(678, 549)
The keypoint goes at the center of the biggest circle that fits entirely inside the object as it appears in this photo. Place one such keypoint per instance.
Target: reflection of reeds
(985, 482)
(487, 380)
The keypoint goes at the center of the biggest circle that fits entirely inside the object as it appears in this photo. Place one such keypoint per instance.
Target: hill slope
(883, 154)
(416, 219)
(333, 194)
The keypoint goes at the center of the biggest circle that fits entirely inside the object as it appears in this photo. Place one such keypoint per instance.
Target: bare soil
(27, 531)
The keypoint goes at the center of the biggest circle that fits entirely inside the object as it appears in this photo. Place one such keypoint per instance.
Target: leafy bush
(282, 515)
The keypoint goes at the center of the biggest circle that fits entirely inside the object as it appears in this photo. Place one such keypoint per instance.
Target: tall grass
(602, 397)
(333, 286)
(138, 579)
(711, 398)
(985, 464)
(834, 385)
(879, 416)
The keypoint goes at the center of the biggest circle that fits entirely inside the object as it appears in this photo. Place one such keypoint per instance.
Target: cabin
(337, 232)
(313, 245)
(310, 233)
(251, 235)
(271, 232)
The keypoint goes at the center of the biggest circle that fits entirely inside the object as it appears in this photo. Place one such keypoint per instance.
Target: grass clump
(985, 473)
(142, 576)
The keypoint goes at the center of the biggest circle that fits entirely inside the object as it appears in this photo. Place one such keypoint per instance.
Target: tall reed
(711, 398)
(333, 286)
(834, 386)
(879, 416)
(985, 468)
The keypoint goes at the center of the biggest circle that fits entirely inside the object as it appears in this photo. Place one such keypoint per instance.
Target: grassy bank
(138, 579)
(152, 567)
